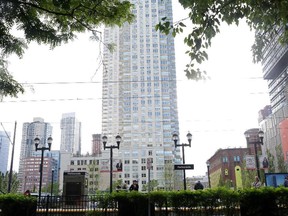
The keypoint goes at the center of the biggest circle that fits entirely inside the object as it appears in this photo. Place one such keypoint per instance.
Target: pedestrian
(265, 163)
(198, 186)
(256, 183)
(119, 165)
(27, 193)
(286, 181)
(134, 186)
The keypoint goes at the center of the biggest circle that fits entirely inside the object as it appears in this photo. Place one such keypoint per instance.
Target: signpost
(183, 166)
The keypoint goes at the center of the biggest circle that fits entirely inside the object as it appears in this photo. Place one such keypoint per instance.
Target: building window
(236, 158)
(225, 159)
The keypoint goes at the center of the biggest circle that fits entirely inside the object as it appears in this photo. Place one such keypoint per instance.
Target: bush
(15, 205)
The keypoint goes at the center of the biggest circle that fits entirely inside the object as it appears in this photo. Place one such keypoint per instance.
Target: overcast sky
(216, 112)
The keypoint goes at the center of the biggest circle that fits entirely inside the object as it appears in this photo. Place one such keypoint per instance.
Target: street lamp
(52, 182)
(111, 147)
(175, 139)
(255, 140)
(42, 149)
(208, 173)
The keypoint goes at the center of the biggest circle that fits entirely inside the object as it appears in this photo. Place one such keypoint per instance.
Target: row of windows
(235, 158)
(84, 162)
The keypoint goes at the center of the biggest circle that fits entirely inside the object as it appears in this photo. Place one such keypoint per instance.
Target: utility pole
(12, 158)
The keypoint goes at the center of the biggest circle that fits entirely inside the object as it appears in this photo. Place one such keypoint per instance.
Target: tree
(4, 180)
(206, 16)
(281, 166)
(271, 159)
(169, 177)
(52, 23)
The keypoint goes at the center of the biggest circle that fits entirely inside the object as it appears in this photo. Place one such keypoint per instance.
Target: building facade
(96, 144)
(139, 94)
(70, 134)
(226, 167)
(4, 151)
(31, 130)
(31, 174)
(275, 71)
(98, 174)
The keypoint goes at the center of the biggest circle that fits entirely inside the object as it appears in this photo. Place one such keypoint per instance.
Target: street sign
(183, 166)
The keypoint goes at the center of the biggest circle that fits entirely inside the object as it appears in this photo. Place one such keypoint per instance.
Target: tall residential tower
(31, 130)
(4, 151)
(139, 95)
(70, 134)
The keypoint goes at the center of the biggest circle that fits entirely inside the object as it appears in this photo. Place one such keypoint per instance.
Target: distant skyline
(216, 112)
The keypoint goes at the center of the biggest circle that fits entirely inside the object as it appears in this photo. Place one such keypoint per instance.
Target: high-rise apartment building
(139, 95)
(31, 130)
(4, 151)
(96, 144)
(70, 134)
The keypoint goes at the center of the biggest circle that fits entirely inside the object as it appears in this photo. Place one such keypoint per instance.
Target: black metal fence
(101, 205)
(76, 205)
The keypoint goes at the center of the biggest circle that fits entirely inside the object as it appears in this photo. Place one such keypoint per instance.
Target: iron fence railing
(75, 205)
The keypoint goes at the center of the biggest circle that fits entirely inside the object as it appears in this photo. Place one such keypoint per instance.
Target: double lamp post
(111, 147)
(175, 139)
(42, 149)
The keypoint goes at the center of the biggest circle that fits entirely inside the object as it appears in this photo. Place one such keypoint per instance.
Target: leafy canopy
(206, 16)
(51, 22)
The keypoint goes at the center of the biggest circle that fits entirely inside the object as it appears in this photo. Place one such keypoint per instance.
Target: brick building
(225, 167)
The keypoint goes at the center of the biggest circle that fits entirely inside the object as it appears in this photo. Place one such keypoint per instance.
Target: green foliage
(4, 181)
(49, 187)
(52, 23)
(206, 17)
(248, 177)
(271, 160)
(14, 205)
(260, 201)
(282, 167)
(8, 86)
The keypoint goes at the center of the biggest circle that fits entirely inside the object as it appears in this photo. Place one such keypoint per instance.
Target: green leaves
(53, 23)
(206, 17)
(8, 86)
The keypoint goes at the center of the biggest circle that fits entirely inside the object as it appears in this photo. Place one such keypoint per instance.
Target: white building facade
(4, 151)
(140, 97)
(70, 134)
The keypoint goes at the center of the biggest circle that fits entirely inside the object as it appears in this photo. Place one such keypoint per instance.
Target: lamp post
(175, 139)
(111, 147)
(208, 173)
(42, 149)
(255, 140)
(52, 182)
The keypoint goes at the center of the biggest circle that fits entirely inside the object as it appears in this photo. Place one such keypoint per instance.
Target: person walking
(286, 181)
(256, 183)
(134, 186)
(27, 193)
(198, 186)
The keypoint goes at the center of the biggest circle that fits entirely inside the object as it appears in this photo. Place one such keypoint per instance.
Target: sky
(216, 112)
